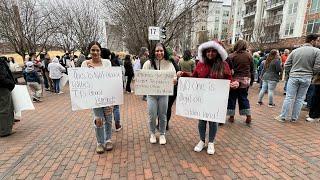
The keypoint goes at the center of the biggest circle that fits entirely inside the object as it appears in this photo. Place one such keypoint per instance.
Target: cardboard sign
(95, 87)
(202, 98)
(21, 98)
(154, 82)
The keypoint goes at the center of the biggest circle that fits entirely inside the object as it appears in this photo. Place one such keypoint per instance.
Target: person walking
(55, 73)
(33, 81)
(301, 65)
(158, 104)
(212, 64)
(243, 69)
(270, 76)
(143, 57)
(103, 115)
(7, 84)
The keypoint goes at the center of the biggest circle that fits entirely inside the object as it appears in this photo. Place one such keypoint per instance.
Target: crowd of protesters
(299, 69)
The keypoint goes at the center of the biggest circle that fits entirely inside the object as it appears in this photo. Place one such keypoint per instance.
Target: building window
(289, 28)
(293, 8)
(215, 36)
(216, 28)
(217, 19)
(313, 26)
(226, 13)
(203, 28)
(315, 6)
(217, 12)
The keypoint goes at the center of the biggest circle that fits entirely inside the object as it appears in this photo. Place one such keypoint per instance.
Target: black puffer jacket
(6, 78)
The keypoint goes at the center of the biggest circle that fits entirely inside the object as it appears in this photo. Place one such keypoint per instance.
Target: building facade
(273, 23)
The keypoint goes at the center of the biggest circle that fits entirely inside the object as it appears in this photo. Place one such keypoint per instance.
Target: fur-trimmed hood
(212, 44)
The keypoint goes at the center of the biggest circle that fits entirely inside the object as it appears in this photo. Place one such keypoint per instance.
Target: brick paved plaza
(54, 142)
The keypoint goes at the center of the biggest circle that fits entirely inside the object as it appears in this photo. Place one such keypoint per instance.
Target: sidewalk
(54, 142)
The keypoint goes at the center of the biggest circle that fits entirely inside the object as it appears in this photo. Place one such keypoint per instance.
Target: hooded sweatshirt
(30, 73)
(55, 69)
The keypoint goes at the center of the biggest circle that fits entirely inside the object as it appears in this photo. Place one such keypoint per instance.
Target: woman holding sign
(103, 115)
(158, 105)
(211, 65)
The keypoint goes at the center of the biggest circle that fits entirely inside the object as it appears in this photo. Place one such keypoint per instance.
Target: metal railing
(273, 20)
(274, 4)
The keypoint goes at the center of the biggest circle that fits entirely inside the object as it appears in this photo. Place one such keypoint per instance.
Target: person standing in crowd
(301, 65)
(7, 84)
(143, 57)
(33, 81)
(128, 72)
(270, 76)
(158, 104)
(244, 74)
(80, 60)
(103, 115)
(212, 64)
(105, 54)
(314, 112)
(186, 64)
(284, 58)
(55, 73)
(14, 67)
(173, 97)
(114, 59)
(256, 59)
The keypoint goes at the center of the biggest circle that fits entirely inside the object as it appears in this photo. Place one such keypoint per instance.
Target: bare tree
(79, 23)
(135, 16)
(26, 26)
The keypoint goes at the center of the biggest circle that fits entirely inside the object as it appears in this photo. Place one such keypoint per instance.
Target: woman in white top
(103, 115)
(55, 73)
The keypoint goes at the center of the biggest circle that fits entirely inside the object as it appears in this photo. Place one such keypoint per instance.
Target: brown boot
(248, 120)
(231, 119)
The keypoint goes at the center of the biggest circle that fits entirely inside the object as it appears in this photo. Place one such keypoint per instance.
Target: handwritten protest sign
(21, 98)
(151, 82)
(205, 99)
(95, 87)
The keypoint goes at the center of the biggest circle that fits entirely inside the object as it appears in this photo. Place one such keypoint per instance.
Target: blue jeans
(240, 94)
(270, 86)
(285, 86)
(116, 114)
(296, 91)
(213, 128)
(56, 85)
(104, 132)
(157, 106)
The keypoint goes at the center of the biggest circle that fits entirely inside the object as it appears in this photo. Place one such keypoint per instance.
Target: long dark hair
(187, 55)
(272, 55)
(93, 43)
(153, 55)
(216, 64)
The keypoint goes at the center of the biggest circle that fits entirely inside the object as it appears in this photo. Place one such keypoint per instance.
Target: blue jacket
(31, 76)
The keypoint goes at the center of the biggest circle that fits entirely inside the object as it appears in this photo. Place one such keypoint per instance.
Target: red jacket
(204, 71)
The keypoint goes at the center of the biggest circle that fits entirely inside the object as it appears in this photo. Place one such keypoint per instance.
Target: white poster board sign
(154, 82)
(202, 98)
(21, 98)
(95, 87)
(154, 33)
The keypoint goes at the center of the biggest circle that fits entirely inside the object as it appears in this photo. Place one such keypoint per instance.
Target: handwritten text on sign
(95, 87)
(204, 99)
(154, 82)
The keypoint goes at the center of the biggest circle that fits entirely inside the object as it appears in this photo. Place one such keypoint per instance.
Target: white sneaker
(199, 146)
(210, 149)
(309, 119)
(60, 92)
(153, 139)
(162, 139)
